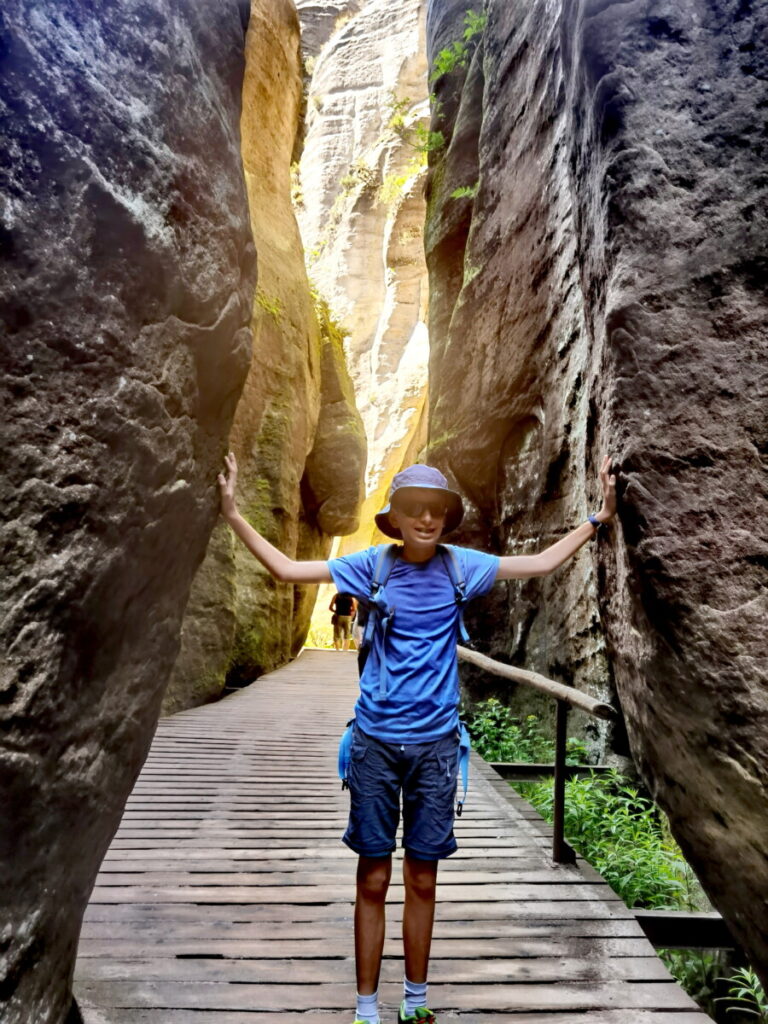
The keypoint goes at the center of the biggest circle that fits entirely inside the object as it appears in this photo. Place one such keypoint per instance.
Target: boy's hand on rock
(608, 484)
(227, 483)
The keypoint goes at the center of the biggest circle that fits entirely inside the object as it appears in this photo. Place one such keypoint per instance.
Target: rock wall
(604, 291)
(126, 283)
(361, 210)
(297, 435)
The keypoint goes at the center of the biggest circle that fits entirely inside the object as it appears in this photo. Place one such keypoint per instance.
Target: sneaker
(422, 1016)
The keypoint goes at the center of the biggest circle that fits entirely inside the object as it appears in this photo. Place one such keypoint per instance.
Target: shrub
(459, 52)
(618, 831)
(466, 191)
(747, 994)
(498, 735)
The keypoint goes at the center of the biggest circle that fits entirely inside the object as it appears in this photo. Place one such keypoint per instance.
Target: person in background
(343, 607)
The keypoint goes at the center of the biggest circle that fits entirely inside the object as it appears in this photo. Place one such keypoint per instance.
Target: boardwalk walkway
(226, 896)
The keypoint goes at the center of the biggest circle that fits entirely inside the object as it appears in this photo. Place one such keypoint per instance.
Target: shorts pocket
(358, 752)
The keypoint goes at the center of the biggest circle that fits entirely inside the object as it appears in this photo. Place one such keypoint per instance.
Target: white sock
(368, 1008)
(415, 996)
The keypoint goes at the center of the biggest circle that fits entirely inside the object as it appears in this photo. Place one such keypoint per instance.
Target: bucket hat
(426, 477)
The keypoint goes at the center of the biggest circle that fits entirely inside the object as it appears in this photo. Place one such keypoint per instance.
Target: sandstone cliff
(361, 211)
(297, 435)
(127, 278)
(604, 291)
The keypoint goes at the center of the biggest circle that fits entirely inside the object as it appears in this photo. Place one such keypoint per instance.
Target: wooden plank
(315, 946)
(579, 996)
(541, 910)
(95, 1015)
(313, 971)
(183, 874)
(235, 894)
(172, 927)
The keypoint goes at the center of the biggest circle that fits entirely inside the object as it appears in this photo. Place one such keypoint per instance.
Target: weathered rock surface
(127, 280)
(362, 213)
(297, 435)
(605, 292)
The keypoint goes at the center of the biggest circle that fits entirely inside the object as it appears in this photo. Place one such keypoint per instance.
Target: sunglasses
(415, 507)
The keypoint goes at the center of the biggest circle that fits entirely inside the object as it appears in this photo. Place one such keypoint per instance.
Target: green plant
(697, 971)
(466, 191)
(271, 305)
(459, 51)
(395, 185)
(359, 174)
(330, 327)
(498, 735)
(618, 831)
(398, 109)
(425, 141)
(746, 990)
(416, 135)
(297, 192)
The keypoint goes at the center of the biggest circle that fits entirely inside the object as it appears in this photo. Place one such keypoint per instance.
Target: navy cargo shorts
(425, 774)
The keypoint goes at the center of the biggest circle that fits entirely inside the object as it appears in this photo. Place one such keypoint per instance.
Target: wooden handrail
(566, 697)
(577, 699)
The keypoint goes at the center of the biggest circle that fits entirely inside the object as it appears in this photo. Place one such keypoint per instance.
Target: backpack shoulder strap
(455, 573)
(385, 560)
(379, 613)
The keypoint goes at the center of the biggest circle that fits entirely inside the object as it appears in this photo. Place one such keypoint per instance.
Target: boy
(405, 738)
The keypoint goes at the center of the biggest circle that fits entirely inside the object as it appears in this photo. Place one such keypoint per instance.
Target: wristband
(595, 522)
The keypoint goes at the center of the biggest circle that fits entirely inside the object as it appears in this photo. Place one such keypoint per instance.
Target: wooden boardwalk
(226, 896)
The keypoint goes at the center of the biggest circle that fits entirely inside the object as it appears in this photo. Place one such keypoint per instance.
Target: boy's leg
(420, 879)
(373, 875)
(429, 791)
(374, 811)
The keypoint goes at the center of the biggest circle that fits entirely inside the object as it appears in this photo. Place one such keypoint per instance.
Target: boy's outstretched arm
(520, 567)
(283, 568)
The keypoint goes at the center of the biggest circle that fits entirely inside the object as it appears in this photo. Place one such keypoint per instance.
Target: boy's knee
(420, 877)
(373, 878)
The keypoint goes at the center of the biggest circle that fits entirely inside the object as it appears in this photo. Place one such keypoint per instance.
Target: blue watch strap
(595, 522)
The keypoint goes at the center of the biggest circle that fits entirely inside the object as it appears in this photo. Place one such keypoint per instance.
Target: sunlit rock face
(127, 280)
(297, 435)
(605, 292)
(361, 211)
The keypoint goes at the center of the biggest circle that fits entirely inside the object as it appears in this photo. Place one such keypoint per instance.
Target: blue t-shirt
(421, 702)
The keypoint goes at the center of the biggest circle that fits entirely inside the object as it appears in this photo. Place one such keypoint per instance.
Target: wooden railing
(566, 697)
(666, 929)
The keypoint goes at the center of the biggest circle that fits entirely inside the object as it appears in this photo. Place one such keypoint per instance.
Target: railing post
(562, 853)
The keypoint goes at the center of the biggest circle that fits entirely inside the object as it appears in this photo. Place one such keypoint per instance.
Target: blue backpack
(379, 616)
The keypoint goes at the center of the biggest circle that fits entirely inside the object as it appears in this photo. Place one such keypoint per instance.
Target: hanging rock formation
(297, 434)
(361, 211)
(127, 278)
(604, 291)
